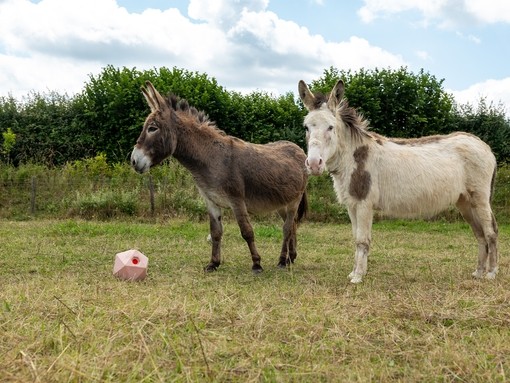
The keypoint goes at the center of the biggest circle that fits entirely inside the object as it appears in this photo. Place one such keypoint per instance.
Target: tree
(44, 125)
(114, 112)
(260, 118)
(115, 109)
(487, 121)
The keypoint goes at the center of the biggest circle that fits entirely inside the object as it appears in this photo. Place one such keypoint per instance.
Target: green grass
(418, 316)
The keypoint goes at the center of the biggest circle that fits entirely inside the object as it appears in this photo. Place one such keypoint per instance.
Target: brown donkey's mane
(182, 105)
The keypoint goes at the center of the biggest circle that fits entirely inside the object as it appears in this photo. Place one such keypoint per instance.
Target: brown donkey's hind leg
(288, 253)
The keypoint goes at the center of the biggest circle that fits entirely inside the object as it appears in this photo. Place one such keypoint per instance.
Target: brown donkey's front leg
(243, 220)
(216, 231)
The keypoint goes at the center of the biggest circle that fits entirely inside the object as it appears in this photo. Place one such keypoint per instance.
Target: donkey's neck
(343, 159)
(199, 147)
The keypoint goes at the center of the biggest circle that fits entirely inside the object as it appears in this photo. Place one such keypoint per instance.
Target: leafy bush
(93, 166)
(104, 204)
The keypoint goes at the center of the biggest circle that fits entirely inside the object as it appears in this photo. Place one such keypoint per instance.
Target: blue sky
(270, 45)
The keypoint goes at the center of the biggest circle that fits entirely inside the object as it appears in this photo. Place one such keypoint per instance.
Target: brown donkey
(229, 172)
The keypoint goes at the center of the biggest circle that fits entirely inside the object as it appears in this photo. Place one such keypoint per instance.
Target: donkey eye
(152, 128)
(330, 128)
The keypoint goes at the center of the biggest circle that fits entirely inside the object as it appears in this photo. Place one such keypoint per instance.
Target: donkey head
(158, 139)
(320, 124)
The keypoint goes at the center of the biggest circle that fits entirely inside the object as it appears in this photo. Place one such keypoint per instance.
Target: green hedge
(108, 115)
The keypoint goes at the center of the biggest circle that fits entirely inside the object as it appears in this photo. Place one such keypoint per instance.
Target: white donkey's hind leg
(491, 236)
(484, 226)
(488, 248)
(482, 259)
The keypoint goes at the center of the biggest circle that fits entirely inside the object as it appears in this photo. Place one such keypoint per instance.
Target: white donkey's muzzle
(314, 162)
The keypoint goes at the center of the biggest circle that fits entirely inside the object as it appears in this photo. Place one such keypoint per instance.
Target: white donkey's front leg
(361, 219)
(354, 225)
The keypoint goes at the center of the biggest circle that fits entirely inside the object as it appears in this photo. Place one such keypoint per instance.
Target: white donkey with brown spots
(402, 178)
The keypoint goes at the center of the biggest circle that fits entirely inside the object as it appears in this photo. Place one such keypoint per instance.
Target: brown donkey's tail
(303, 208)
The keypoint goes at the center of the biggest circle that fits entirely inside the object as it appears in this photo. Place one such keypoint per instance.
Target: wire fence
(101, 197)
(59, 195)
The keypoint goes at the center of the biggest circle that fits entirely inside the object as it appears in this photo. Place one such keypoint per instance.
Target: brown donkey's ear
(154, 99)
(336, 95)
(306, 96)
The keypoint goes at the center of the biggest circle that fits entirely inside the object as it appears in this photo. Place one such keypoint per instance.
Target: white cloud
(374, 9)
(100, 30)
(284, 50)
(495, 91)
(57, 44)
(489, 11)
(423, 55)
(223, 13)
(444, 13)
(21, 75)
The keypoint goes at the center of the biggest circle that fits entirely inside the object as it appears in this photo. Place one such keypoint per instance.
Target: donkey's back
(422, 177)
(270, 174)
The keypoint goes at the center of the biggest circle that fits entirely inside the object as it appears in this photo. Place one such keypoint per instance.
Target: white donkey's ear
(306, 96)
(154, 99)
(336, 95)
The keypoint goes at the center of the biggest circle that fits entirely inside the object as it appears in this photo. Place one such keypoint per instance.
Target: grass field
(418, 315)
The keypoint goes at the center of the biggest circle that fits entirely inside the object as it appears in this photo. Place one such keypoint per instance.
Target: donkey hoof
(356, 278)
(257, 269)
(478, 274)
(211, 267)
(490, 275)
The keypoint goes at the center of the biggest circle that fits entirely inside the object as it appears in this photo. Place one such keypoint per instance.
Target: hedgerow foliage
(107, 116)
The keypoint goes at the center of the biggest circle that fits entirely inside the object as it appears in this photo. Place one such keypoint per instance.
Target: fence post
(32, 196)
(151, 190)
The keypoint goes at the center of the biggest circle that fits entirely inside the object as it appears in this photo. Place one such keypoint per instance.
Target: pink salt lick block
(130, 265)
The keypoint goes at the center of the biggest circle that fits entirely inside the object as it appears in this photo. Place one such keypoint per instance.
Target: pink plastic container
(130, 265)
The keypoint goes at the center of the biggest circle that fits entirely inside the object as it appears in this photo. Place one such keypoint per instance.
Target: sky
(247, 45)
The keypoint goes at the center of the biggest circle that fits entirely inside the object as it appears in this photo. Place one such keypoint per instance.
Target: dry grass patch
(418, 316)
